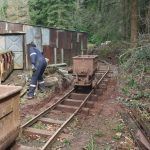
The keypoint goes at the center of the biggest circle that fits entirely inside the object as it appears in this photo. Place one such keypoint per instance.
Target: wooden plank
(50, 121)
(71, 109)
(40, 132)
(78, 96)
(22, 147)
(74, 102)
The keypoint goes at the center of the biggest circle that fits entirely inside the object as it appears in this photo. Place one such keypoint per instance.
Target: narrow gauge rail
(71, 96)
(137, 129)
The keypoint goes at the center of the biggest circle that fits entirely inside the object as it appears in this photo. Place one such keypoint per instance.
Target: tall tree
(54, 13)
(134, 21)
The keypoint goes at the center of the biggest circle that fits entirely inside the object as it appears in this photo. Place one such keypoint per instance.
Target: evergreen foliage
(54, 13)
(104, 20)
(3, 8)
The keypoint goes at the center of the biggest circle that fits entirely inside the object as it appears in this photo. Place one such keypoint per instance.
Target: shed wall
(57, 45)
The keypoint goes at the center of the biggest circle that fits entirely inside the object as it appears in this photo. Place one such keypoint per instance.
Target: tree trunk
(126, 20)
(134, 31)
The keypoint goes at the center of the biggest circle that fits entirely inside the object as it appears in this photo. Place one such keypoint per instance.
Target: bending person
(38, 67)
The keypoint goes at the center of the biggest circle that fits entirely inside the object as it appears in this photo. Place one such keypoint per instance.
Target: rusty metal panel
(49, 53)
(65, 39)
(2, 43)
(74, 52)
(58, 55)
(15, 27)
(60, 39)
(53, 37)
(45, 36)
(74, 40)
(84, 41)
(2, 27)
(15, 43)
(69, 39)
(9, 114)
(67, 56)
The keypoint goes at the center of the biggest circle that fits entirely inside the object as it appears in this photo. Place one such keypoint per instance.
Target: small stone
(118, 134)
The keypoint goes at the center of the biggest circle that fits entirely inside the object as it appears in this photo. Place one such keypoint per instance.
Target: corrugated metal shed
(57, 45)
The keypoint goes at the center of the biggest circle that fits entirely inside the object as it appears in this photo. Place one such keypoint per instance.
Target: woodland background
(104, 20)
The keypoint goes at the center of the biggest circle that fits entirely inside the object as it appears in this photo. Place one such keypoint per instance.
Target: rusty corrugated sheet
(67, 56)
(74, 40)
(15, 27)
(2, 27)
(61, 39)
(59, 56)
(69, 39)
(49, 53)
(84, 41)
(53, 37)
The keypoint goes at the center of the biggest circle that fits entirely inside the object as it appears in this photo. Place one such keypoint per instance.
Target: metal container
(6, 64)
(84, 67)
(9, 114)
(85, 64)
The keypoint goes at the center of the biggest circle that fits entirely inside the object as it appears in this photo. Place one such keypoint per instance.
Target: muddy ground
(102, 129)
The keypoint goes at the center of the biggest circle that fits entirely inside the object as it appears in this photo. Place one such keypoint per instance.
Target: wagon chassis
(84, 101)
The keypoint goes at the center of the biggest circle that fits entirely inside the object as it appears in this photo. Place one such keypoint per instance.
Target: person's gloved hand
(33, 68)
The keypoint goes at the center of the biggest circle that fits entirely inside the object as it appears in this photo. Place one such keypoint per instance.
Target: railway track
(50, 123)
(137, 129)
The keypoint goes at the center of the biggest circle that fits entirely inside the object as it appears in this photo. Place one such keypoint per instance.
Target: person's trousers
(37, 79)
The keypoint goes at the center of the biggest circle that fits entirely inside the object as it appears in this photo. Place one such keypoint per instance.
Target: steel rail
(32, 121)
(52, 138)
(135, 130)
(145, 142)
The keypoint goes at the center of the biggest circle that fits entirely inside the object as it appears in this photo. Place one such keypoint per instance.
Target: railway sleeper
(23, 147)
(78, 96)
(71, 109)
(51, 121)
(103, 85)
(73, 102)
(33, 131)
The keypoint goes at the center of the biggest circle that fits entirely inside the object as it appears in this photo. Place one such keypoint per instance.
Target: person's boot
(30, 93)
(41, 87)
